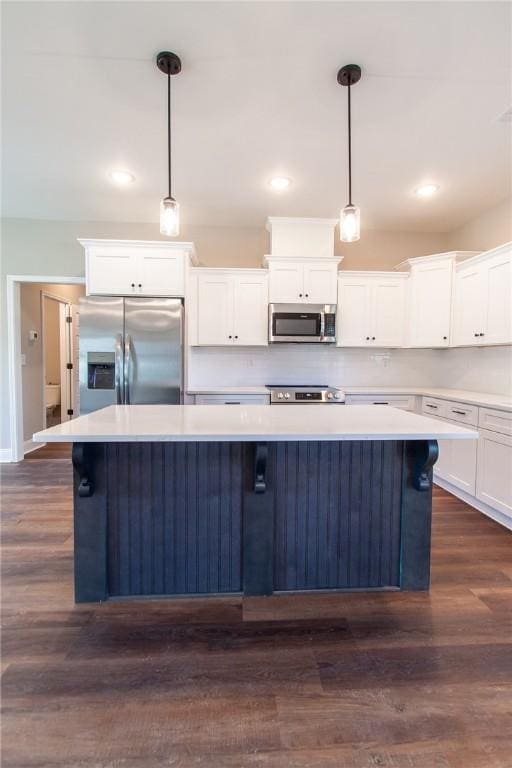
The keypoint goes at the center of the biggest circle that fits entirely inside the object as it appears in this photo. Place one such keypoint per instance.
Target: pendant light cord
(349, 149)
(169, 131)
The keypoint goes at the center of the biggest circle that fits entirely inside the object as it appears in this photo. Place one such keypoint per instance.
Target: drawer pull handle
(380, 402)
(461, 413)
(430, 406)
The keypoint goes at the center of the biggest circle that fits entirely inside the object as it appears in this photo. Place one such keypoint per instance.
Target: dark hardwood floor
(349, 681)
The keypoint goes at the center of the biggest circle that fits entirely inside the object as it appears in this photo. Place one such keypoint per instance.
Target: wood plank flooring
(348, 681)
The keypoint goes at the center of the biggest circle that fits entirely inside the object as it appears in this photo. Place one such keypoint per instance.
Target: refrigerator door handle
(127, 366)
(119, 367)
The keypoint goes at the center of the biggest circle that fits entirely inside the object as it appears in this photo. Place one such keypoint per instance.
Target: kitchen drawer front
(466, 414)
(405, 402)
(496, 421)
(431, 406)
(232, 399)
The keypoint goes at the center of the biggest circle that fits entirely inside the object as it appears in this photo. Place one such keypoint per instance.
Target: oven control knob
(330, 395)
(287, 396)
(280, 395)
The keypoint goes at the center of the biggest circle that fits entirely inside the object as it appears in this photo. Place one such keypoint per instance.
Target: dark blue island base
(194, 518)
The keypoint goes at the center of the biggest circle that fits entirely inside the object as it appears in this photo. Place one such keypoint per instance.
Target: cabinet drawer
(234, 399)
(405, 402)
(431, 406)
(496, 421)
(467, 414)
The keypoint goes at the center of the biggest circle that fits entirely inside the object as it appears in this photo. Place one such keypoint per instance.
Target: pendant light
(350, 216)
(169, 64)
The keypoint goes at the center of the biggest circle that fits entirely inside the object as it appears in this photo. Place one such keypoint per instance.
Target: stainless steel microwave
(302, 323)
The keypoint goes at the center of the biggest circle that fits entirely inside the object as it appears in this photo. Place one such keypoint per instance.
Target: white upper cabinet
(302, 281)
(430, 302)
(136, 268)
(371, 309)
(229, 307)
(483, 299)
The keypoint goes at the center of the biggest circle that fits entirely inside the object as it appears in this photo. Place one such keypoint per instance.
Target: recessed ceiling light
(427, 190)
(280, 183)
(121, 177)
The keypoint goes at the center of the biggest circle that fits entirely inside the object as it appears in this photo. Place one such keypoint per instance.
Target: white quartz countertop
(483, 399)
(197, 423)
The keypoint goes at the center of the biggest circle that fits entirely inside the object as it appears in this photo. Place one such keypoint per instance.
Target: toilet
(52, 395)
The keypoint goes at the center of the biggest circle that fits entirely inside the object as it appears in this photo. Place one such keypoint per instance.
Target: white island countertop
(239, 423)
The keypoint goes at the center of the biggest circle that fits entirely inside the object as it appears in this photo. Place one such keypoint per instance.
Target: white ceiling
(257, 97)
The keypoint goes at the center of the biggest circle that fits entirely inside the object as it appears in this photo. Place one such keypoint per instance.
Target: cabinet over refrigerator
(131, 351)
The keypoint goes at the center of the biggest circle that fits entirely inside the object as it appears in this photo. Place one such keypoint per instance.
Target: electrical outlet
(23, 359)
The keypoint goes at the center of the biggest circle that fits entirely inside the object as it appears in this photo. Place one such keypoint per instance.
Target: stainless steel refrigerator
(131, 351)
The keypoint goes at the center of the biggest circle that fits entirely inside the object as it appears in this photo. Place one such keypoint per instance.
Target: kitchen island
(205, 500)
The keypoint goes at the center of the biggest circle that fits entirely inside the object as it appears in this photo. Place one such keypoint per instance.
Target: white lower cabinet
(494, 472)
(481, 468)
(404, 402)
(233, 399)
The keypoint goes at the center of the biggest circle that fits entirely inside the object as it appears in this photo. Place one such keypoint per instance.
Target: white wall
(492, 228)
(484, 370)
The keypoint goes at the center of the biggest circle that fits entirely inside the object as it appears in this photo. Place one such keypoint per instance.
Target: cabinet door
(496, 300)
(160, 273)
(431, 288)
(111, 271)
(250, 319)
(461, 469)
(494, 478)
(320, 283)
(388, 308)
(467, 314)
(214, 310)
(443, 463)
(352, 318)
(286, 282)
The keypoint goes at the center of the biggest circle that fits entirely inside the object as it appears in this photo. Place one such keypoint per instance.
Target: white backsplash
(483, 370)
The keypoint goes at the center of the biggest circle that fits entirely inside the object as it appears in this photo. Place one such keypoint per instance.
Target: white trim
(5, 455)
(271, 220)
(29, 446)
(484, 255)
(453, 255)
(269, 259)
(494, 514)
(15, 452)
(372, 273)
(167, 245)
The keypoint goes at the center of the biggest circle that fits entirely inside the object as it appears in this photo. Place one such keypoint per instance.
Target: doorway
(42, 391)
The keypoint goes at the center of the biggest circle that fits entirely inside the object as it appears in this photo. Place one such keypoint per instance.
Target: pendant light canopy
(169, 64)
(350, 216)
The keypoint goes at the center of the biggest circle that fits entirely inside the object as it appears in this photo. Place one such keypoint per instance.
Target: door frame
(14, 352)
(65, 355)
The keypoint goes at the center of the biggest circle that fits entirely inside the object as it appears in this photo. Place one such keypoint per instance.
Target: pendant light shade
(169, 64)
(350, 224)
(169, 217)
(350, 215)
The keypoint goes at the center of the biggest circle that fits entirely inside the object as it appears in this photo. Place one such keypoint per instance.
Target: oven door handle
(322, 325)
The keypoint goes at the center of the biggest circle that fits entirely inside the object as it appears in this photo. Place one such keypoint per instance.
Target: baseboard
(5, 455)
(29, 446)
(494, 514)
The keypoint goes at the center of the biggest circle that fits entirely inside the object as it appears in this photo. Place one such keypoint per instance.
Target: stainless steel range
(305, 395)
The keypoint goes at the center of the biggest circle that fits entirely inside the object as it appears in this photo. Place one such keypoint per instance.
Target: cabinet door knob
(140, 285)
(476, 334)
(373, 338)
(236, 337)
(133, 286)
(230, 337)
(307, 295)
(367, 338)
(482, 334)
(445, 338)
(300, 295)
